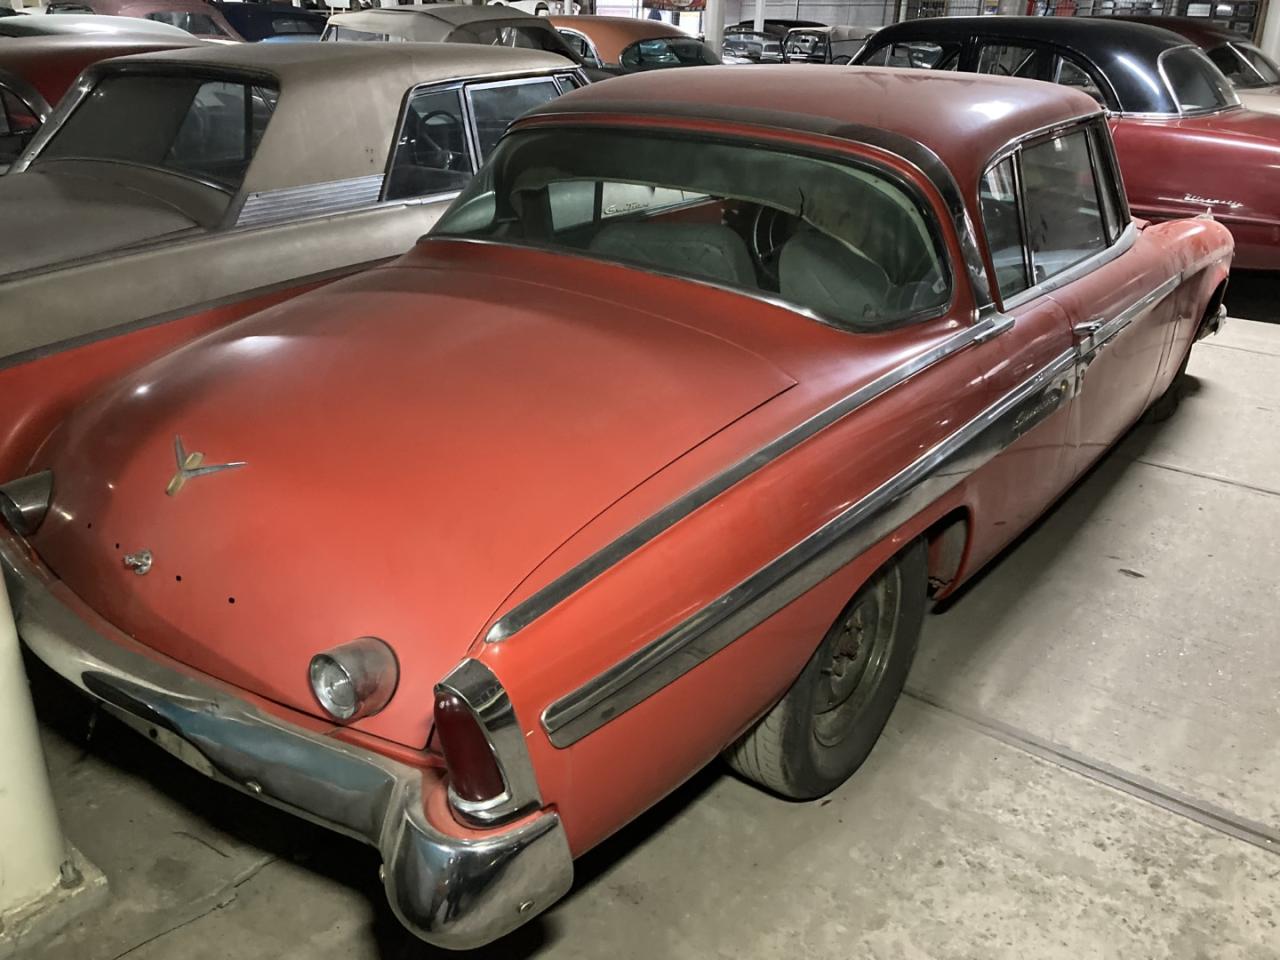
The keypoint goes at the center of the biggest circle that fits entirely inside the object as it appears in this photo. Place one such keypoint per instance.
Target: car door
(1116, 290)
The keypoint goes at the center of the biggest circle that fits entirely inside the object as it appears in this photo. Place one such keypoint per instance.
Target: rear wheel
(822, 730)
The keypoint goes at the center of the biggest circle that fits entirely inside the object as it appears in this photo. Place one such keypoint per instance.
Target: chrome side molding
(573, 580)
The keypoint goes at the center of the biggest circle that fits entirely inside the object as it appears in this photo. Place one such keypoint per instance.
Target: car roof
(434, 21)
(1126, 53)
(962, 118)
(1205, 34)
(50, 64)
(611, 35)
(364, 83)
(88, 23)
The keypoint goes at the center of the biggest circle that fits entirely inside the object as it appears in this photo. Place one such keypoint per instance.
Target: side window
(495, 107)
(1009, 60)
(18, 124)
(920, 54)
(1071, 74)
(432, 153)
(1002, 222)
(1064, 217)
(1110, 191)
(568, 82)
(579, 45)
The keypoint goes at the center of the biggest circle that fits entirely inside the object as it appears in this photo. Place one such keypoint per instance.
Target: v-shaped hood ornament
(191, 465)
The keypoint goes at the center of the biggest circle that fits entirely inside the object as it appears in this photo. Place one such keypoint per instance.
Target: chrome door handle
(1089, 327)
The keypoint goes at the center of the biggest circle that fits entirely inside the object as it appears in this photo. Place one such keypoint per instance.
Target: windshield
(667, 52)
(1196, 84)
(828, 236)
(198, 127)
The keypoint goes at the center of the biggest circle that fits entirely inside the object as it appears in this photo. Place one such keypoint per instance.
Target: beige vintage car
(170, 183)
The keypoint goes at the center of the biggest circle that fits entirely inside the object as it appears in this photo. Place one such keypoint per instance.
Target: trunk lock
(139, 562)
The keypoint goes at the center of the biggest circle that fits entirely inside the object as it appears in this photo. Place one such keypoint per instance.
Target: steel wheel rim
(858, 660)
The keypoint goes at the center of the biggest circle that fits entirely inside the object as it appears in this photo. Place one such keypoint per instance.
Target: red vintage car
(1186, 145)
(656, 449)
(35, 73)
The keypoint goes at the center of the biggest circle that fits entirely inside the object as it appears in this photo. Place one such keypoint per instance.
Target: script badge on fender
(191, 465)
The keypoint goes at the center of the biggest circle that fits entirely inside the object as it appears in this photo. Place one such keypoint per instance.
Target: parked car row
(699, 388)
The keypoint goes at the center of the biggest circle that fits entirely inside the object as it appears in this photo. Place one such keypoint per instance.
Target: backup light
(354, 680)
(25, 501)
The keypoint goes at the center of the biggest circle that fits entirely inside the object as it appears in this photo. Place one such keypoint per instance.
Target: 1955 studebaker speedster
(655, 450)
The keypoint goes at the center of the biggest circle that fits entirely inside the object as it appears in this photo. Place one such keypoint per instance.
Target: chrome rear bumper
(451, 891)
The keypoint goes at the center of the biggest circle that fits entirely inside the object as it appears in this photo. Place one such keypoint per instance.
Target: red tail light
(474, 774)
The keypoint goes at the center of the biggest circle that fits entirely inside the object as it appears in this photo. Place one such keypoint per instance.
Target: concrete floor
(1085, 765)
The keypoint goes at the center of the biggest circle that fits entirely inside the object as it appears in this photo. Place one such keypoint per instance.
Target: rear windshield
(198, 127)
(839, 240)
(1196, 84)
(199, 24)
(667, 52)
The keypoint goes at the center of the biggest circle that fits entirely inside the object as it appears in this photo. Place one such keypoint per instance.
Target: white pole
(1270, 39)
(713, 25)
(32, 849)
(759, 26)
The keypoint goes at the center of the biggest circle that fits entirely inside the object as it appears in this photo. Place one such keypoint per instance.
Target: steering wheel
(429, 152)
(770, 229)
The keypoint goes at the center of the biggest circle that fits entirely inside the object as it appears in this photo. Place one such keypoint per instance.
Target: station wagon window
(433, 151)
(1009, 60)
(844, 241)
(495, 106)
(1196, 84)
(921, 54)
(202, 128)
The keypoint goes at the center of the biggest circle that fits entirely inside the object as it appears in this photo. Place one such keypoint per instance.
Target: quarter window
(433, 154)
(1073, 75)
(920, 54)
(1196, 84)
(1009, 60)
(1002, 221)
(206, 129)
(18, 123)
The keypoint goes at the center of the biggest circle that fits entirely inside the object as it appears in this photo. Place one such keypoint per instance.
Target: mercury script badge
(191, 465)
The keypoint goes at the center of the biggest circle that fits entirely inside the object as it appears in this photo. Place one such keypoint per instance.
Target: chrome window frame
(1236, 48)
(28, 95)
(1173, 95)
(591, 47)
(470, 88)
(464, 107)
(1089, 124)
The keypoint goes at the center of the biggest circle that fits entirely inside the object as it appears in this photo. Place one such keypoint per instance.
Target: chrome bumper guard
(453, 892)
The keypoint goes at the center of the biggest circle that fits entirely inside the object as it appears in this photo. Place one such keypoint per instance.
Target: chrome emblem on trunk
(139, 562)
(191, 465)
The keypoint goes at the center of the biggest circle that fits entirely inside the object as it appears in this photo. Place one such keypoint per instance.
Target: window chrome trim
(476, 686)
(591, 47)
(1173, 95)
(27, 94)
(587, 570)
(1075, 272)
(815, 558)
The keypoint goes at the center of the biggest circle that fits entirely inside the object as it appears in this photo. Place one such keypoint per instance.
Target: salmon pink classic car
(1185, 143)
(172, 192)
(656, 449)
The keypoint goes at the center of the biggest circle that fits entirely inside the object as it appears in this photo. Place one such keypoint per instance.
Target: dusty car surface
(448, 23)
(194, 16)
(1255, 75)
(174, 191)
(629, 45)
(665, 436)
(43, 25)
(36, 73)
(1185, 143)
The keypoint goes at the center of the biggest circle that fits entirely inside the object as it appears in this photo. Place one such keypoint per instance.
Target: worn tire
(805, 747)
